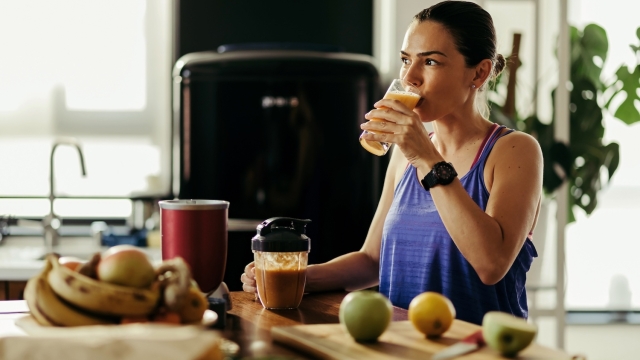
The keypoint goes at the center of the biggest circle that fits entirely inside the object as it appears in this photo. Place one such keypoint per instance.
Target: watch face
(442, 173)
(445, 172)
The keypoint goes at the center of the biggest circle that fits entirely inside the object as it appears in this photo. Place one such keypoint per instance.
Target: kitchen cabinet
(204, 25)
(12, 290)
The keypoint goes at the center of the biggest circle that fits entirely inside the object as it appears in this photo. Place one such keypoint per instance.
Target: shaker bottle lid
(281, 234)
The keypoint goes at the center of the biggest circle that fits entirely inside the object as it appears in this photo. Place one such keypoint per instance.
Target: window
(98, 71)
(602, 248)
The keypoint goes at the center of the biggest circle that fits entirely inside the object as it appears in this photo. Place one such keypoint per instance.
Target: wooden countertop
(249, 325)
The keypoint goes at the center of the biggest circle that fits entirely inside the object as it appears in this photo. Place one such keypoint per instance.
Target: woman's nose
(412, 75)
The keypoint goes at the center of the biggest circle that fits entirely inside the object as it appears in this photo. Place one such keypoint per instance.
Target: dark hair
(471, 28)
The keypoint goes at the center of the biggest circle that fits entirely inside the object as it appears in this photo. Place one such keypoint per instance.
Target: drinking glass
(399, 90)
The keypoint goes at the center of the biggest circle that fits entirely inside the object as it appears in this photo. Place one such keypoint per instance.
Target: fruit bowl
(70, 296)
(130, 341)
(31, 326)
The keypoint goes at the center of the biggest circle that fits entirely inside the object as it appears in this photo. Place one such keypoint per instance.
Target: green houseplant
(587, 156)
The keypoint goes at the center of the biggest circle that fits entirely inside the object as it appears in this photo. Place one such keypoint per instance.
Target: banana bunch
(75, 296)
(59, 296)
(49, 309)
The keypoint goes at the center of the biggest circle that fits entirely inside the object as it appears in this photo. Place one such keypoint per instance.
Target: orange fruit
(134, 320)
(168, 317)
(194, 306)
(70, 262)
(431, 313)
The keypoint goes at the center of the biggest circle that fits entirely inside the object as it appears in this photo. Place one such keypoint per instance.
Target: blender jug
(281, 250)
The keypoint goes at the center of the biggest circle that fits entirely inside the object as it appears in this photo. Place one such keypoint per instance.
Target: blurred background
(102, 72)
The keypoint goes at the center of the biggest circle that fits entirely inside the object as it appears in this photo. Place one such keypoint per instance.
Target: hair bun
(500, 63)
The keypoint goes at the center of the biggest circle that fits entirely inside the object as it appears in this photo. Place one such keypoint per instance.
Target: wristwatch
(442, 173)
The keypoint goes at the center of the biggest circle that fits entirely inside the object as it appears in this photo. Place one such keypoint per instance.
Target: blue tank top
(418, 255)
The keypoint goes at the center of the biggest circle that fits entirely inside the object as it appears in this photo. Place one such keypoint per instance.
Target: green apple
(365, 315)
(506, 333)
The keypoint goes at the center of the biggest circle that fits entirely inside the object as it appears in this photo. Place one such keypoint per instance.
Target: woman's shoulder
(514, 154)
(516, 143)
(515, 148)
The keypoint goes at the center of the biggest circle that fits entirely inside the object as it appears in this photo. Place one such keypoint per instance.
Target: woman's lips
(420, 102)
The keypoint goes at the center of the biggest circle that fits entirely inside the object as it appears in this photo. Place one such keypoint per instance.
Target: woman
(458, 206)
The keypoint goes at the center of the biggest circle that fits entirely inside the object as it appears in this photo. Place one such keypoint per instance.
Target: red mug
(196, 230)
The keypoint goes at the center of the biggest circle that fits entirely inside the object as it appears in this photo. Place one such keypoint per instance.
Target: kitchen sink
(27, 248)
(22, 257)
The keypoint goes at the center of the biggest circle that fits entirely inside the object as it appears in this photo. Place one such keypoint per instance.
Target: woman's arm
(490, 240)
(359, 269)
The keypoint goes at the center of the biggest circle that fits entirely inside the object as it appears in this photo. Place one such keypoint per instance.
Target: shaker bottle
(281, 251)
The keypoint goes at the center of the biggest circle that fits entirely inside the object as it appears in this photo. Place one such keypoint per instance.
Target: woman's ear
(482, 72)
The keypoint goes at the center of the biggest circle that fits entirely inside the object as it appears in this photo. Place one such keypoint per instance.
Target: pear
(506, 333)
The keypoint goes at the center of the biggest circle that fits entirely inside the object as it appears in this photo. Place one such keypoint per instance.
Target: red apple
(126, 265)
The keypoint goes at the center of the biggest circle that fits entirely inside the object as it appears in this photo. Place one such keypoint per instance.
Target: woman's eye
(431, 62)
(404, 61)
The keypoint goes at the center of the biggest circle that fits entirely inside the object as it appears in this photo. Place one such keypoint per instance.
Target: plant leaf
(613, 158)
(574, 38)
(586, 115)
(554, 154)
(627, 111)
(595, 41)
(592, 43)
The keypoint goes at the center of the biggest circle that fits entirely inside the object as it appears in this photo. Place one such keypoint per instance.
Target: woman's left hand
(402, 127)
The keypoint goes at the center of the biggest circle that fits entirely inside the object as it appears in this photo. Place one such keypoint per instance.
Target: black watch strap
(429, 180)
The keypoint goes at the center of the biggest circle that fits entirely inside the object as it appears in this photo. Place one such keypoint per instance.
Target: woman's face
(431, 61)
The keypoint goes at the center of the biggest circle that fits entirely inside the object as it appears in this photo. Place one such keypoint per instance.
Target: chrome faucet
(51, 223)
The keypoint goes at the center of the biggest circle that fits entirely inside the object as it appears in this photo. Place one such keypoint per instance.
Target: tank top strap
(496, 134)
(490, 139)
(490, 133)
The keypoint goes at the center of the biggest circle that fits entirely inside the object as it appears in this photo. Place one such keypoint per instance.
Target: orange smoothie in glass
(410, 100)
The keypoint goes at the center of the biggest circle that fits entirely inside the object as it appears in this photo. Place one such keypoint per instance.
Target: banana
(30, 295)
(59, 313)
(176, 281)
(100, 297)
(48, 309)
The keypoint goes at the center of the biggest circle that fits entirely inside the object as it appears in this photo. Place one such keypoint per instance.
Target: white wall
(391, 18)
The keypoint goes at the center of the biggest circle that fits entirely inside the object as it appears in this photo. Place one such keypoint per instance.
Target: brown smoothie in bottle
(280, 288)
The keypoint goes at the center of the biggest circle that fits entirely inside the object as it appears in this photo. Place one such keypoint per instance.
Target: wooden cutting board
(400, 341)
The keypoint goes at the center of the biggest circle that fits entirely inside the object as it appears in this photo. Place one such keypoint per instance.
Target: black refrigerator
(274, 131)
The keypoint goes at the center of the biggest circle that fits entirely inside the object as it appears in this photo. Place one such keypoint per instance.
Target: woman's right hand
(248, 279)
